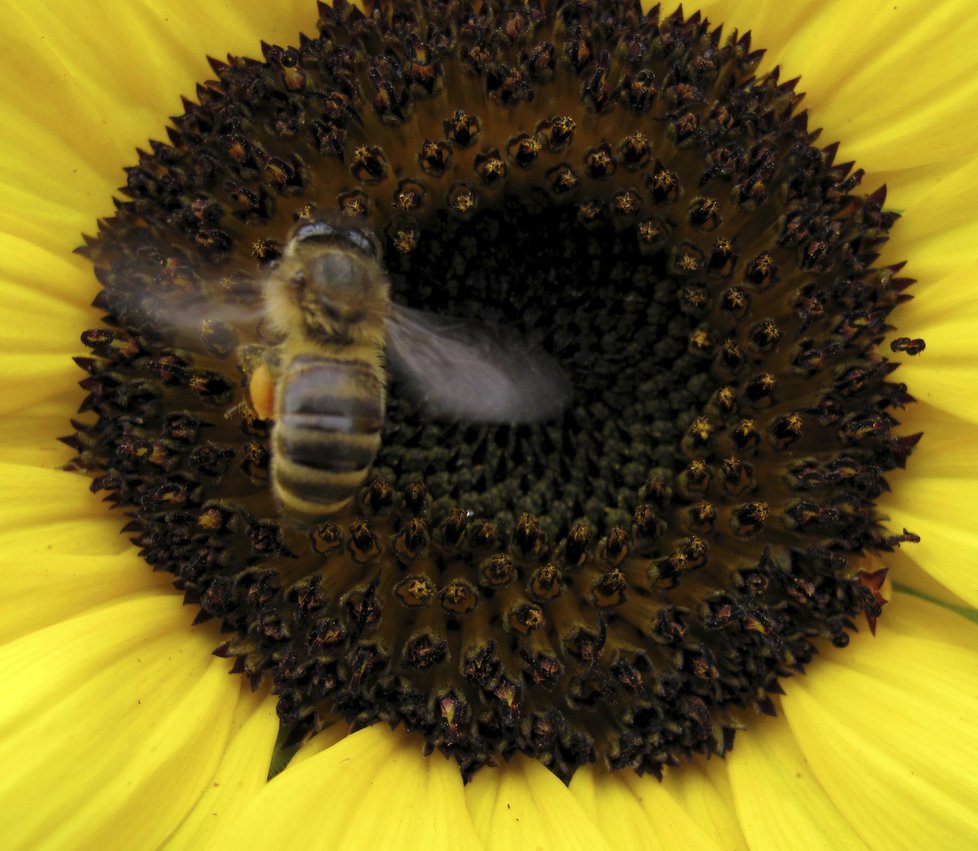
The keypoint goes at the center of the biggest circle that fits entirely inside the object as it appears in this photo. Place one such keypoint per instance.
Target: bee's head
(320, 231)
(336, 273)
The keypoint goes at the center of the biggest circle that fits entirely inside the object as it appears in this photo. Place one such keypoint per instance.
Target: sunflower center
(611, 314)
(611, 583)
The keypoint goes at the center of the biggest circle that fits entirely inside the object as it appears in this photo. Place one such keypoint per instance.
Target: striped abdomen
(327, 432)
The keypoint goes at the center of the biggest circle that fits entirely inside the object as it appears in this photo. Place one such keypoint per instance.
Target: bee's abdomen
(329, 414)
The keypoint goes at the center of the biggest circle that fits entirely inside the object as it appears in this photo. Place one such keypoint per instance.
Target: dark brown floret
(608, 586)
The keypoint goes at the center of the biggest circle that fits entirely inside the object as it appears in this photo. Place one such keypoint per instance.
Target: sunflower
(121, 729)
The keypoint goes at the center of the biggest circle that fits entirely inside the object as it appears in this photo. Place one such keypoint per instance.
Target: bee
(324, 385)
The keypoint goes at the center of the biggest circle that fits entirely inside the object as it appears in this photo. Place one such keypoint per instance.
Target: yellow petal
(49, 589)
(240, 775)
(702, 789)
(937, 305)
(39, 324)
(374, 789)
(51, 220)
(320, 742)
(637, 812)
(122, 704)
(92, 83)
(778, 798)
(58, 515)
(65, 559)
(46, 297)
(943, 374)
(943, 452)
(906, 576)
(946, 550)
(879, 78)
(30, 378)
(523, 805)
(941, 473)
(888, 730)
(36, 351)
(910, 615)
(937, 234)
(29, 436)
(941, 312)
(771, 24)
(33, 269)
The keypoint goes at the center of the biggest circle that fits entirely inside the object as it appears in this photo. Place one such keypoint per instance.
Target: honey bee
(324, 385)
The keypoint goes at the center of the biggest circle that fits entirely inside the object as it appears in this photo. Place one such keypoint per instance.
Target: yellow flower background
(119, 729)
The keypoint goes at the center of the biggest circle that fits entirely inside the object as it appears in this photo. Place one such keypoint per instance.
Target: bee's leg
(261, 392)
(256, 363)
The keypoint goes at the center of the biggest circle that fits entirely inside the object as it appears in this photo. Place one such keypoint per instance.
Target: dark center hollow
(612, 318)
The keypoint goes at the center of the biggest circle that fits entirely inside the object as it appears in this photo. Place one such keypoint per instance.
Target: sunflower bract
(607, 586)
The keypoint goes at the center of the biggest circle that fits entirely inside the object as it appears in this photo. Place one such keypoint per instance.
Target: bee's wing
(462, 369)
(200, 324)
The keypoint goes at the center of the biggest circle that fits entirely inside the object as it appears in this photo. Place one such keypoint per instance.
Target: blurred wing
(456, 368)
(200, 324)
